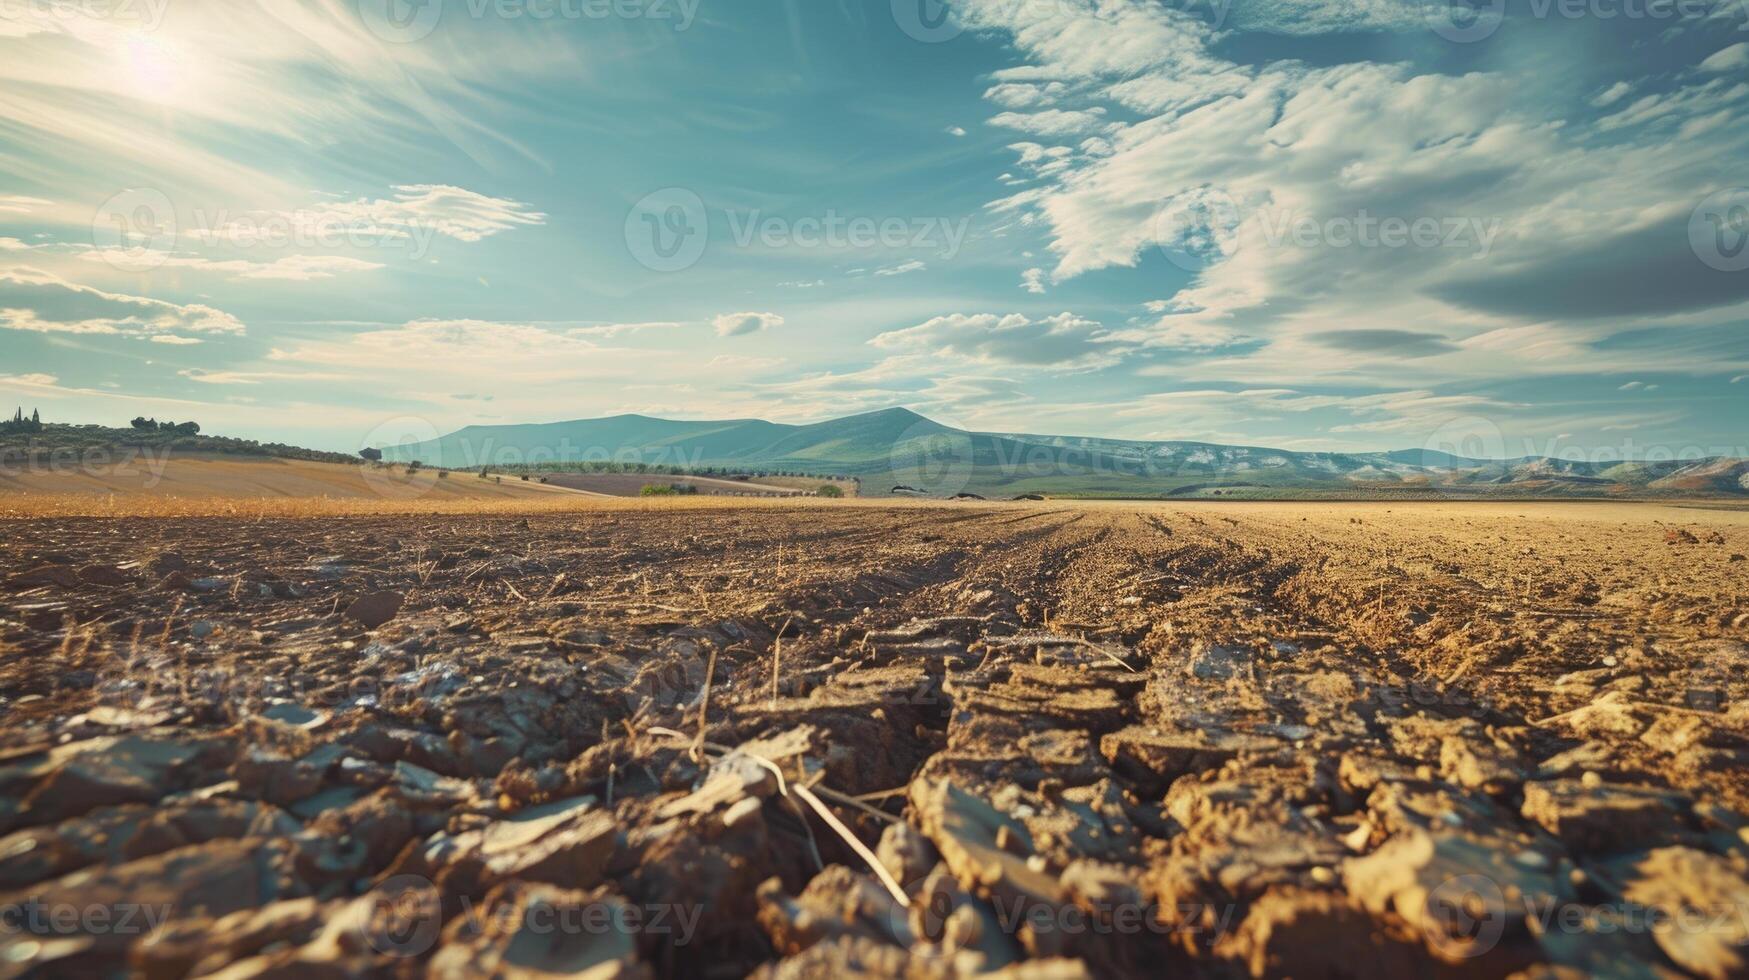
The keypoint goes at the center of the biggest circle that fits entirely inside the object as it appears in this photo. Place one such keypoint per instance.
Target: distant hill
(897, 447)
(55, 438)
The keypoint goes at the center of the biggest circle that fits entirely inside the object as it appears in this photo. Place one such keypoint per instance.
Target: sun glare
(155, 70)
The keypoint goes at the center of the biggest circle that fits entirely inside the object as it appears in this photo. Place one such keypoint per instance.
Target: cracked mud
(1032, 740)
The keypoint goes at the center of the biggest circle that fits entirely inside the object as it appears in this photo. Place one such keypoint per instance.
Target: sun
(155, 70)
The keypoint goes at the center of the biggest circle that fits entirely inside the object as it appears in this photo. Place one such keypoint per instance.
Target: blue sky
(1384, 224)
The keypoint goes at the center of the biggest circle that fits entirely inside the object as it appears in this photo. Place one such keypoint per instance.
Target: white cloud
(417, 211)
(291, 268)
(955, 131)
(1188, 333)
(17, 204)
(1611, 95)
(1020, 95)
(1052, 122)
(1632, 385)
(35, 380)
(1228, 161)
(1064, 340)
(609, 331)
(742, 324)
(1033, 281)
(41, 302)
(1733, 58)
(915, 265)
(175, 341)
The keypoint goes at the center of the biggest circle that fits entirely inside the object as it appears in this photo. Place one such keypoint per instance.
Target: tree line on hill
(143, 424)
(19, 423)
(618, 466)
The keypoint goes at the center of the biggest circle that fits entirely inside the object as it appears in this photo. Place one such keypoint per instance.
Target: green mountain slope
(899, 448)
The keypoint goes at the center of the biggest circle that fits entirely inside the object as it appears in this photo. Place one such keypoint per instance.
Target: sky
(1508, 230)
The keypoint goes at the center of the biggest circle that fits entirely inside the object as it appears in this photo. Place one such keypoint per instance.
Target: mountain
(897, 447)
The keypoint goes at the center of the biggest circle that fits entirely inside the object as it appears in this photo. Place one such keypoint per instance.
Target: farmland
(814, 738)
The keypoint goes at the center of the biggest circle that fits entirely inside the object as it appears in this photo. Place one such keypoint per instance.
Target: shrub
(829, 490)
(373, 455)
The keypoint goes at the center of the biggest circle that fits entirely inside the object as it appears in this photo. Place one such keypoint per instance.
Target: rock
(212, 879)
(116, 835)
(1155, 756)
(1217, 661)
(203, 945)
(107, 576)
(567, 842)
(986, 851)
(60, 576)
(837, 903)
(1289, 932)
(511, 935)
(906, 854)
(1602, 819)
(264, 774)
(1699, 898)
(73, 779)
(1465, 896)
(375, 609)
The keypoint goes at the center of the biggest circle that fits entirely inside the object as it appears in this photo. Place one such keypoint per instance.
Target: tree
(829, 490)
(188, 429)
(373, 455)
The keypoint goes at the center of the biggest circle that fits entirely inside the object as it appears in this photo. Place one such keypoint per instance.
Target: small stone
(375, 609)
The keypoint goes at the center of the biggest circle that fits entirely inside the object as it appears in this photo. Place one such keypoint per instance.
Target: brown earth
(1049, 740)
(160, 474)
(632, 484)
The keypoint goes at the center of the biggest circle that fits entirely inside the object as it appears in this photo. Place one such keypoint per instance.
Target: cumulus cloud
(1033, 281)
(1538, 227)
(742, 324)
